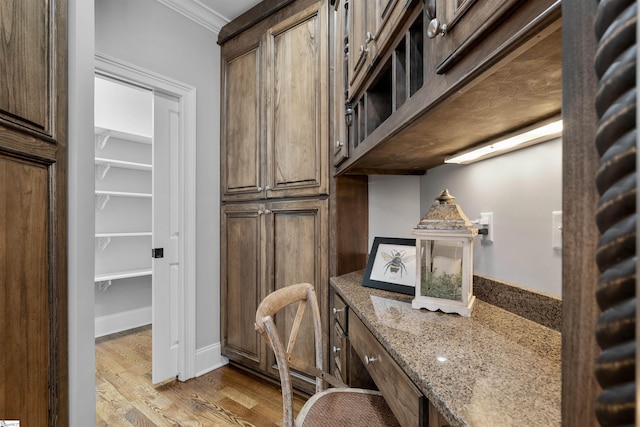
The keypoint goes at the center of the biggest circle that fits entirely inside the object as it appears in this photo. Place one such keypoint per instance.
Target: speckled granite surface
(533, 305)
(492, 369)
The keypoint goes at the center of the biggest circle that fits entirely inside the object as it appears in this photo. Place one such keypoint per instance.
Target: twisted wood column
(615, 66)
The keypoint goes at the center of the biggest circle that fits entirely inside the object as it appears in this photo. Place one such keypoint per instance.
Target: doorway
(145, 199)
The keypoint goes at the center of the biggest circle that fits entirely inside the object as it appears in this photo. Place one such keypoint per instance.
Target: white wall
(521, 188)
(151, 36)
(123, 107)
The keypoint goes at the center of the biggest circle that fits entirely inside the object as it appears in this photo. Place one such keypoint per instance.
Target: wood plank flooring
(224, 397)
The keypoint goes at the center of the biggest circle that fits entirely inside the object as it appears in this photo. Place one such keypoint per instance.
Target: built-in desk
(492, 369)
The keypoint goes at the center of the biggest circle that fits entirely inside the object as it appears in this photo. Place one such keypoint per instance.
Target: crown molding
(198, 13)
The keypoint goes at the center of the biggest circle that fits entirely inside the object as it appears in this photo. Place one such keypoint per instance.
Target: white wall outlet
(556, 229)
(486, 219)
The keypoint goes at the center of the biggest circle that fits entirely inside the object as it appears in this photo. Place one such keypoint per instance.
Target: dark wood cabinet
(340, 350)
(268, 246)
(297, 104)
(242, 282)
(26, 91)
(274, 147)
(361, 24)
(371, 26)
(297, 252)
(460, 25)
(340, 86)
(241, 166)
(495, 64)
(274, 108)
(33, 158)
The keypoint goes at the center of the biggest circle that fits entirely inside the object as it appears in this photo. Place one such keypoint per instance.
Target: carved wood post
(616, 217)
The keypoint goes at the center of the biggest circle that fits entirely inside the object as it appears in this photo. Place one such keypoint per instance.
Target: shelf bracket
(102, 170)
(101, 139)
(103, 242)
(103, 285)
(102, 201)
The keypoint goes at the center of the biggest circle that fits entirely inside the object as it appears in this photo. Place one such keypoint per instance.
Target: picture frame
(392, 265)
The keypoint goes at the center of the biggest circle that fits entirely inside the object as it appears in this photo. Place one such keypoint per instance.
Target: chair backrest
(273, 303)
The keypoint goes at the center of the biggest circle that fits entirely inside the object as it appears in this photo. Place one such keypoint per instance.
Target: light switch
(556, 229)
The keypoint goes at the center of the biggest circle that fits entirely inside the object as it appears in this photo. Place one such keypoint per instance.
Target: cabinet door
(340, 85)
(465, 23)
(26, 61)
(357, 23)
(33, 213)
(24, 327)
(241, 126)
(372, 25)
(297, 105)
(242, 279)
(383, 25)
(297, 246)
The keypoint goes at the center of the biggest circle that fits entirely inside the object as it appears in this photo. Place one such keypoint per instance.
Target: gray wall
(394, 206)
(148, 35)
(151, 36)
(521, 188)
(81, 215)
(123, 295)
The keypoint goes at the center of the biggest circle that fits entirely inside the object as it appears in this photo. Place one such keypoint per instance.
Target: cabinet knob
(363, 49)
(369, 37)
(267, 211)
(267, 188)
(430, 8)
(259, 189)
(337, 310)
(339, 144)
(260, 212)
(336, 349)
(369, 360)
(436, 29)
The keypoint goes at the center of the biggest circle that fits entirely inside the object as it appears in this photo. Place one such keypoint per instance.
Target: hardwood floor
(224, 397)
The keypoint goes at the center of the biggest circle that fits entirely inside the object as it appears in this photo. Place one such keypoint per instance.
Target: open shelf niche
(123, 204)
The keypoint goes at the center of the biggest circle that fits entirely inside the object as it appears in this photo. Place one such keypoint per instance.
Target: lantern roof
(445, 215)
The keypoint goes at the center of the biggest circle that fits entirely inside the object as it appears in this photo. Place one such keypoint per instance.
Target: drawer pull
(336, 349)
(337, 310)
(369, 360)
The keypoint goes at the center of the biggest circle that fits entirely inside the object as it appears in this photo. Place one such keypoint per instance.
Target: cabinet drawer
(405, 400)
(339, 311)
(339, 351)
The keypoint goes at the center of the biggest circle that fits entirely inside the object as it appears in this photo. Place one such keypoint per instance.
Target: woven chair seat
(346, 407)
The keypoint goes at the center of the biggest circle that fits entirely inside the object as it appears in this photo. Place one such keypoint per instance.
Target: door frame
(115, 68)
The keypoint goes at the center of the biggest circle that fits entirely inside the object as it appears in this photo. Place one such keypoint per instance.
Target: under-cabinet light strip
(528, 136)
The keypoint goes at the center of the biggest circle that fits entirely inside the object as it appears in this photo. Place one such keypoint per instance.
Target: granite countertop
(491, 369)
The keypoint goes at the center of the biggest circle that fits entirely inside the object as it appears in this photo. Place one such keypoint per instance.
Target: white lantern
(444, 251)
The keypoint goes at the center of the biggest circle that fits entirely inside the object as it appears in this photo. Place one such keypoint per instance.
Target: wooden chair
(341, 406)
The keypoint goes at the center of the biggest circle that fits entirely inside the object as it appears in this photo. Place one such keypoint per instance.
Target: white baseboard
(209, 358)
(119, 322)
